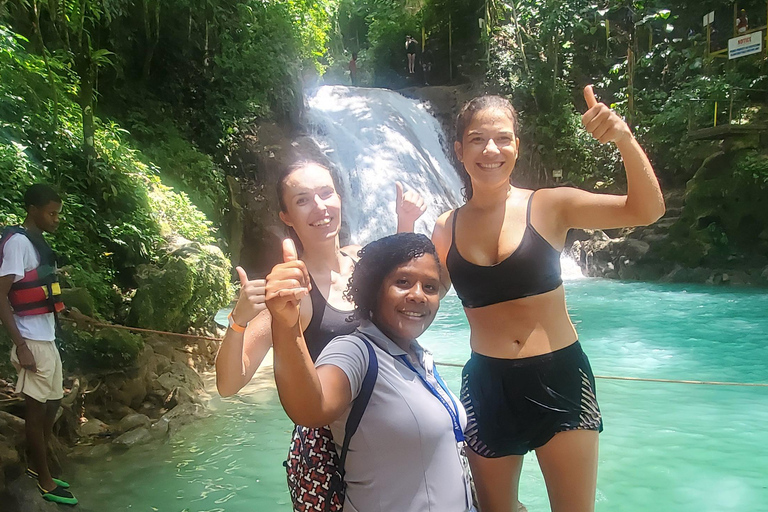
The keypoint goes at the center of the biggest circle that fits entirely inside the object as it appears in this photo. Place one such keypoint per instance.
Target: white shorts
(46, 383)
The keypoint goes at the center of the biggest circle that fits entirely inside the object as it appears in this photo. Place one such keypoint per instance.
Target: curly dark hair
(463, 120)
(377, 260)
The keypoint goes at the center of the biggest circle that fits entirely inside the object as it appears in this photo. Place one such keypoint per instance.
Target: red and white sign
(745, 45)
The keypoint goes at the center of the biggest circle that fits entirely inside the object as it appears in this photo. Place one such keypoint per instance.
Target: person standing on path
(30, 299)
(410, 49)
(353, 69)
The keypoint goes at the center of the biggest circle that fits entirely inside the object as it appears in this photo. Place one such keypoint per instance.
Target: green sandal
(58, 495)
(60, 483)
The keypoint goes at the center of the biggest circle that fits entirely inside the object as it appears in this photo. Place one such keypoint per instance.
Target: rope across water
(452, 365)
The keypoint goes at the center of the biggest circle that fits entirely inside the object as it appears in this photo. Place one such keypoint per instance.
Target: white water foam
(375, 137)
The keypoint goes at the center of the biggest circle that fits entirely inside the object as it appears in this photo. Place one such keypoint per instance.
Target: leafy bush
(103, 350)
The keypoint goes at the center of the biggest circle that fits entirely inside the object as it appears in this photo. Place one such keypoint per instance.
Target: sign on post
(557, 173)
(708, 19)
(745, 45)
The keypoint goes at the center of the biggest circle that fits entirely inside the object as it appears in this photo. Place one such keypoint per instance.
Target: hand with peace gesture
(602, 122)
(251, 300)
(409, 206)
(287, 284)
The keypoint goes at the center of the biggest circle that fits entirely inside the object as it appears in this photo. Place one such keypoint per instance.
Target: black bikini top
(327, 322)
(532, 269)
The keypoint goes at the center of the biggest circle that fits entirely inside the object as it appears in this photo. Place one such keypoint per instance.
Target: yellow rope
(642, 379)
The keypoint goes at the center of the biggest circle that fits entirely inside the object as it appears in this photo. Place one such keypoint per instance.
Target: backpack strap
(361, 402)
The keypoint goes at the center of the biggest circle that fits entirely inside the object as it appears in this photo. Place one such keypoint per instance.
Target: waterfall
(374, 137)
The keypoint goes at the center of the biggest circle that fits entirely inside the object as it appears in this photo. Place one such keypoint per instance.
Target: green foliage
(103, 350)
(115, 208)
(185, 289)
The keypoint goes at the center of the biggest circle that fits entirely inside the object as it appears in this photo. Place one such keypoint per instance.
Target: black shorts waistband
(568, 352)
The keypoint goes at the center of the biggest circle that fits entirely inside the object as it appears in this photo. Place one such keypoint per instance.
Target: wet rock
(21, 495)
(133, 421)
(182, 415)
(92, 427)
(181, 396)
(134, 437)
(159, 429)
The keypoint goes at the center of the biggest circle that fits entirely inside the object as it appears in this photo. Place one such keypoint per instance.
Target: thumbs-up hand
(602, 122)
(251, 300)
(409, 206)
(287, 284)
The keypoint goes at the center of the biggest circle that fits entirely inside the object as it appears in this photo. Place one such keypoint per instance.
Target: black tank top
(532, 269)
(327, 322)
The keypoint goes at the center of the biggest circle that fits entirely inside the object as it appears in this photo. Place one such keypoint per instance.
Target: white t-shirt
(19, 257)
(403, 456)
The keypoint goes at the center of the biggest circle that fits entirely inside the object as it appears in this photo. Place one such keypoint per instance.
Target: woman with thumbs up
(310, 207)
(528, 385)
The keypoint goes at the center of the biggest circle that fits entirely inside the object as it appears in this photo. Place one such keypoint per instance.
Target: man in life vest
(30, 299)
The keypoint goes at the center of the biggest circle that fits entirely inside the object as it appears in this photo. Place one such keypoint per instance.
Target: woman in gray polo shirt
(406, 455)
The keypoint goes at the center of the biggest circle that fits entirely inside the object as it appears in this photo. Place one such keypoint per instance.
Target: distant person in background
(353, 68)
(426, 65)
(742, 22)
(410, 49)
(30, 298)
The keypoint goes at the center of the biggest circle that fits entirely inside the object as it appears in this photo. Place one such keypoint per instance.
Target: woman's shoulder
(351, 250)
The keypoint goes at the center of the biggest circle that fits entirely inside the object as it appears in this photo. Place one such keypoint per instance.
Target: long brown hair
(280, 189)
(463, 120)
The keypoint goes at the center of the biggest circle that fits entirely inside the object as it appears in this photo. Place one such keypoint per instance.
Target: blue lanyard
(458, 433)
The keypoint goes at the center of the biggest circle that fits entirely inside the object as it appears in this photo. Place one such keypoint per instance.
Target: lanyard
(458, 433)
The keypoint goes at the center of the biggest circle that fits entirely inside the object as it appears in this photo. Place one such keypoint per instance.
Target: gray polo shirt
(403, 457)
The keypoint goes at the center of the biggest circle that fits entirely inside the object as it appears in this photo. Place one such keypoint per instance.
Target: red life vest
(38, 292)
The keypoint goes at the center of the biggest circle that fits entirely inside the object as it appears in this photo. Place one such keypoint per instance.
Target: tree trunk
(86, 72)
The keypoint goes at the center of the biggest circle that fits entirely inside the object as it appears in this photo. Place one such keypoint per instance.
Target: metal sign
(708, 19)
(745, 45)
(557, 173)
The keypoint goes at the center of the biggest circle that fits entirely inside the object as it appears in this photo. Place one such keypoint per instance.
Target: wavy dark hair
(377, 260)
(467, 113)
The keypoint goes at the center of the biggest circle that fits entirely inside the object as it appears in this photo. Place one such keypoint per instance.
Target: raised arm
(311, 397)
(241, 353)
(409, 206)
(643, 203)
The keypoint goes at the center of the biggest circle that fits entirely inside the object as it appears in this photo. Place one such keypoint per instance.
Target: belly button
(516, 342)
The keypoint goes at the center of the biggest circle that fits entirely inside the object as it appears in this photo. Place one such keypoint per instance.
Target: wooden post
(607, 37)
(423, 39)
(709, 38)
(715, 114)
(450, 47)
(730, 110)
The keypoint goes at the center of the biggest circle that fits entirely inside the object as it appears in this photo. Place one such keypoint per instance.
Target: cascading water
(375, 137)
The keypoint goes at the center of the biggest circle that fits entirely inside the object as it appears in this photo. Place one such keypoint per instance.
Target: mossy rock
(78, 298)
(184, 291)
(104, 349)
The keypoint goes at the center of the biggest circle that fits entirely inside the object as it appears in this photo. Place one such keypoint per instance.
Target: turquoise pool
(666, 447)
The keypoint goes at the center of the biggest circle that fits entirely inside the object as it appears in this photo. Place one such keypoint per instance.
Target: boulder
(78, 298)
(189, 286)
(182, 415)
(92, 427)
(133, 437)
(133, 421)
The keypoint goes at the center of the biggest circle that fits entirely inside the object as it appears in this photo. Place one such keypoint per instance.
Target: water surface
(666, 447)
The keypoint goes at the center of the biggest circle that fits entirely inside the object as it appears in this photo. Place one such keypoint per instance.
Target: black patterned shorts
(517, 405)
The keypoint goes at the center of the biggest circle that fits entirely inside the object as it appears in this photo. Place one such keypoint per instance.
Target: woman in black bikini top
(528, 385)
(311, 208)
